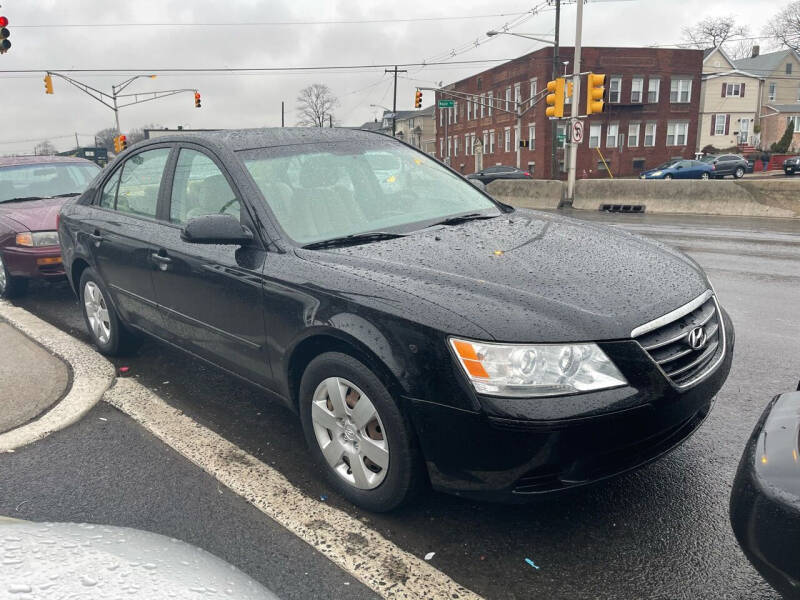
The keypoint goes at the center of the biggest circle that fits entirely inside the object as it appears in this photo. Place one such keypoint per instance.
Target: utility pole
(330, 121)
(282, 115)
(554, 132)
(394, 103)
(77, 143)
(576, 95)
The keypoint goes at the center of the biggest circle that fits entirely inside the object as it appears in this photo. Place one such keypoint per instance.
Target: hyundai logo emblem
(697, 338)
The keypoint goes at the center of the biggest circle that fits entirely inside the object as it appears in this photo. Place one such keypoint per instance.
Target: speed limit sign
(577, 132)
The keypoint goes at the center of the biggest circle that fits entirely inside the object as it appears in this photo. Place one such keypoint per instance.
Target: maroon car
(32, 190)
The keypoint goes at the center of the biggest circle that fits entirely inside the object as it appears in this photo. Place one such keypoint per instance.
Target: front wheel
(704, 176)
(668, 177)
(11, 287)
(107, 332)
(357, 433)
(739, 173)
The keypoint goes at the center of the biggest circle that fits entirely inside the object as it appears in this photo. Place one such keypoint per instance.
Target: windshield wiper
(21, 198)
(367, 236)
(67, 195)
(463, 219)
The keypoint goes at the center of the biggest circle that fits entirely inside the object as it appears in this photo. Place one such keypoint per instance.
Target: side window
(199, 188)
(108, 197)
(139, 183)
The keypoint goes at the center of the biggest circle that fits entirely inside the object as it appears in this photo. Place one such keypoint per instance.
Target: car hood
(33, 215)
(528, 276)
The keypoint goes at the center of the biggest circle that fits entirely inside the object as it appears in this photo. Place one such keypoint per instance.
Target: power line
(269, 23)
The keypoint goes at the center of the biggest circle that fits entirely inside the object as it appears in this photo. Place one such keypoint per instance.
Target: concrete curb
(92, 375)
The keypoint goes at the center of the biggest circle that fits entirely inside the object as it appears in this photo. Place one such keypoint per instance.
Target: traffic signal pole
(554, 125)
(576, 95)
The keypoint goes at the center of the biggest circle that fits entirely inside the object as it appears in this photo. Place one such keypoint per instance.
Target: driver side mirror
(216, 229)
(679, 167)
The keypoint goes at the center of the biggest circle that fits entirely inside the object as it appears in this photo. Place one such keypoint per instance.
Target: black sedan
(489, 174)
(727, 164)
(765, 499)
(791, 165)
(423, 331)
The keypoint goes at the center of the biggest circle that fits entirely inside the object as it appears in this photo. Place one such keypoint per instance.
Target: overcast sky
(253, 100)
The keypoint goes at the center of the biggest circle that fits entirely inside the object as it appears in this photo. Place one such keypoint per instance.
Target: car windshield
(708, 159)
(323, 191)
(45, 180)
(668, 164)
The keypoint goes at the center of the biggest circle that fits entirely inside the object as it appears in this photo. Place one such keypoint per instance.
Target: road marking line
(91, 376)
(362, 552)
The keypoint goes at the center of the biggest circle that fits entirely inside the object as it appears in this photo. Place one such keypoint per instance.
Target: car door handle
(160, 258)
(96, 237)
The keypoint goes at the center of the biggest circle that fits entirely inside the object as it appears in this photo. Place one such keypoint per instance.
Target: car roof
(15, 161)
(244, 139)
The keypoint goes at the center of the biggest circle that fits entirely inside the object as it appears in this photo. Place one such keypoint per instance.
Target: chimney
(756, 50)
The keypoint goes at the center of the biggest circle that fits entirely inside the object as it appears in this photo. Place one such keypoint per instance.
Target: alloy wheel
(704, 176)
(350, 433)
(97, 312)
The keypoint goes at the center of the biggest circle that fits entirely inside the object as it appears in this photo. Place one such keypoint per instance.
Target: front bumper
(36, 263)
(515, 449)
(765, 499)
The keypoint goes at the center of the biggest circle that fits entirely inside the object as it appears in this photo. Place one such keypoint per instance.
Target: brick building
(651, 112)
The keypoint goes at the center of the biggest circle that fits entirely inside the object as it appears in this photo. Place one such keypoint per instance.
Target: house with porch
(730, 102)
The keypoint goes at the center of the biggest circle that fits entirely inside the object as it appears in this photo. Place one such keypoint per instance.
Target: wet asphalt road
(661, 532)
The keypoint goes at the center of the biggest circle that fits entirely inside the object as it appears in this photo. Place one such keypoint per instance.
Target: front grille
(668, 341)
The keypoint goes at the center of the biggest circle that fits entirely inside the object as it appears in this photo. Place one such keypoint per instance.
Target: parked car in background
(680, 169)
(727, 164)
(765, 498)
(489, 174)
(32, 190)
(791, 165)
(406, 327)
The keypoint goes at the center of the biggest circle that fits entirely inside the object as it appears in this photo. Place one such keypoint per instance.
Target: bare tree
(784, 27)
(714, 31)
(44, 148)
(315, 105)
(105, 138)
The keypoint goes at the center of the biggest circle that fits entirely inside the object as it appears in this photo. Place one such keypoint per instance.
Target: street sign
(446, 103)
(560, 138)
(577, 132)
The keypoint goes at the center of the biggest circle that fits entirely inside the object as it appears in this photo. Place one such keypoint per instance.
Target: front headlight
(37, 238)
(529, 370)
(657, 174)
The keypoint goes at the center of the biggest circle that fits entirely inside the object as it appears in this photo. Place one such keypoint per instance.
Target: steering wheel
(226, 205)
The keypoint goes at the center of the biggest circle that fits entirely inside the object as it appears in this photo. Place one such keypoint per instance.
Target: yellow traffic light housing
(595, 91)
(48, 84)
(418, 99)
(116, 144)
(555, 99)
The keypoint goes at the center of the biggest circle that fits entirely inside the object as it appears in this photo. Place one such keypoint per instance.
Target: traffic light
(594, 93)
(48, 84)
(197, 99)
(123, 143)
(5, 44)
(418, 99)
(569, 89)
(555, 99)
(116, 144)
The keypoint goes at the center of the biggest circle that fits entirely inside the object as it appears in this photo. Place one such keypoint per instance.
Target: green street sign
(560, 137)
(446, 103)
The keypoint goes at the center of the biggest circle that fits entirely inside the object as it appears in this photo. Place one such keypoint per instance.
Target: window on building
(490, 102)
(531, 136)
(491, 141)
(795, 120)
(612, 133)
(441, 146)
(531, 167)
(638, 164)
(455, 146)
(719, 124)
(449, 112)
(485, 141)
(633, 135)
(595, 131)
(798, 95)
(469, 110)
(507, 140)
(650, 134)
(449, 145)
(680, 90)
(466, 145)
(508, 98)
(441, 117)
(677, 133)
(773, 89)
(637, 86)
(517, 95)
(733, 89)
(788, 68)
(614, 90)
(455, 112)
(653, 87)
(534, 91)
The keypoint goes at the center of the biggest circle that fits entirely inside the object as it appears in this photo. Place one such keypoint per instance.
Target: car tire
(739, 173)
(668, 177)
(105, 328)
(704, 176)
(11, 287)
(330, 421)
